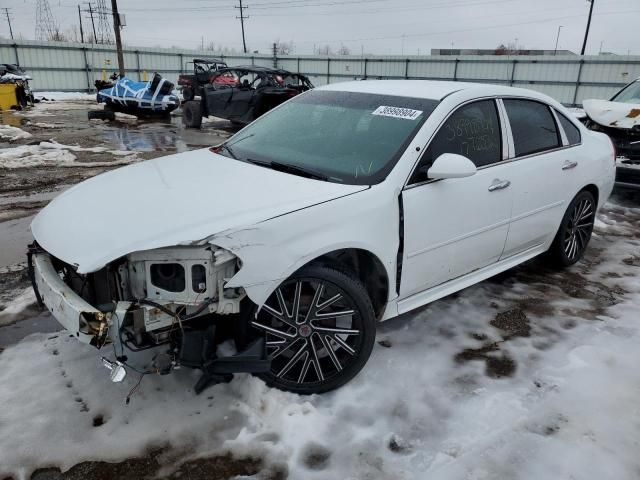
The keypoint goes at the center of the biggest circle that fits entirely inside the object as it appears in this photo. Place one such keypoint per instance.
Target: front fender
(272, 250)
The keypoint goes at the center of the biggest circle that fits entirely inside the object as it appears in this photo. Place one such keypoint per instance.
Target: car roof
(431, 89)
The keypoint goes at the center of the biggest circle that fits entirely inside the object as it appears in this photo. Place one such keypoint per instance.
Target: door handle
(499, 185)
(568, 165)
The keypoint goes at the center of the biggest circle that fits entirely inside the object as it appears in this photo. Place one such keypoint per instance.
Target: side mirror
(451, 165)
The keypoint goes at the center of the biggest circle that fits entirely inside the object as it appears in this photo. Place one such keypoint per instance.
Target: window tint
(533, 127)
(570, 130)
(473, 131)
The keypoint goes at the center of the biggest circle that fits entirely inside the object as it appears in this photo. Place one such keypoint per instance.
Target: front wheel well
(366, 267)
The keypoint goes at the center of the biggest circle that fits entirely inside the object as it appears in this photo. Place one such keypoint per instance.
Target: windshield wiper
(226, 147)
(293, 169)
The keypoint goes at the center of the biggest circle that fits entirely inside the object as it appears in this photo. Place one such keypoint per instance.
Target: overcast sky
(372, 26)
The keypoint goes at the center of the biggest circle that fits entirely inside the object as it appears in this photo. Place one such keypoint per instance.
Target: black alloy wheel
(319, 327)
(575, 230)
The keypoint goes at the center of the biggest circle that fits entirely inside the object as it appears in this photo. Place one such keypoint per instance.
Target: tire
(192, 114)
(575, 230)
(311, 354)
(187, 94)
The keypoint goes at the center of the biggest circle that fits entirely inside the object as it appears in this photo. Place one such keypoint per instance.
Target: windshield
(353, 138)
(629, 94)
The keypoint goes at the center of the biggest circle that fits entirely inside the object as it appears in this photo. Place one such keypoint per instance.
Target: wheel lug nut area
(304, 330)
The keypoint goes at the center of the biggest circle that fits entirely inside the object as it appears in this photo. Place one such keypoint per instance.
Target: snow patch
(45, 125)
(13, 133)
(64, 96)
(17, 309)
(56, 154)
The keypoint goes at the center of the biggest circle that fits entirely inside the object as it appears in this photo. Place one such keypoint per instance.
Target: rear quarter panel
(597, 154)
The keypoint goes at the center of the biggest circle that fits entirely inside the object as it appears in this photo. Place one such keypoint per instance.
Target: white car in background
(619, 118)
(347, 205)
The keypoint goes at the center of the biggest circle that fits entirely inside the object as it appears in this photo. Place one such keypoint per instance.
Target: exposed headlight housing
(181, 278)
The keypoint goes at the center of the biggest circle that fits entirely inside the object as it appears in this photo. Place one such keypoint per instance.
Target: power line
(93, 23)
(442, 32)
(242, 19)
(6, 12)
(104, 25)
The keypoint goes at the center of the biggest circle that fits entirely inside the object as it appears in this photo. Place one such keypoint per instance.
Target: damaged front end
(621, 122)
(168, 296)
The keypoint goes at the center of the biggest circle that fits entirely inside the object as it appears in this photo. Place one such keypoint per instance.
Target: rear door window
(571, 131)
(532, 125)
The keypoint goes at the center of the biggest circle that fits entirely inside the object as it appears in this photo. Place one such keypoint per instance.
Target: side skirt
(427, 296)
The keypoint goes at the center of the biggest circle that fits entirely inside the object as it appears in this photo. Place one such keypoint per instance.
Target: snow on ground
(55, 154)
(16, 309)
(45, 125)
(64, 96)
(50, 109)
(12, 133)
(531, 375)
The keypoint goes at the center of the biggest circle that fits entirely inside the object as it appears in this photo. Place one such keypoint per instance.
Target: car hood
(178, 199)
(613, 114)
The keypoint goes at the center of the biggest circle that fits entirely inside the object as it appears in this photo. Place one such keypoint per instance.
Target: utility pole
(81, 31)
(242, 19)
(555, 50)
(586, 33)
(275, 55)
(6, 12)
(93, 24)
(116, 28)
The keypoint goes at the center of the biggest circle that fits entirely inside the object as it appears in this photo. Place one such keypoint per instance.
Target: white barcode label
(397, 112)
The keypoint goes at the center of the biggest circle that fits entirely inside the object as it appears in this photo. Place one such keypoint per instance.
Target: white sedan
(347, 205)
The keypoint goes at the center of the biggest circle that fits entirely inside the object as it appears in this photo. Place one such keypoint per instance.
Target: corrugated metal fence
(569, 79)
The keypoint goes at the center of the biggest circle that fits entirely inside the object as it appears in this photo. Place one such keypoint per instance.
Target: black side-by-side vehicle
(203, 72)
(242, 94)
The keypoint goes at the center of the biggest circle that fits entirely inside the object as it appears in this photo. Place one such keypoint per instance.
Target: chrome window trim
(510, 151)
(563, 134)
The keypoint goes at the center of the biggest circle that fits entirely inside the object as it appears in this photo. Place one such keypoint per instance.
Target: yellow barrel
(8, 97)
